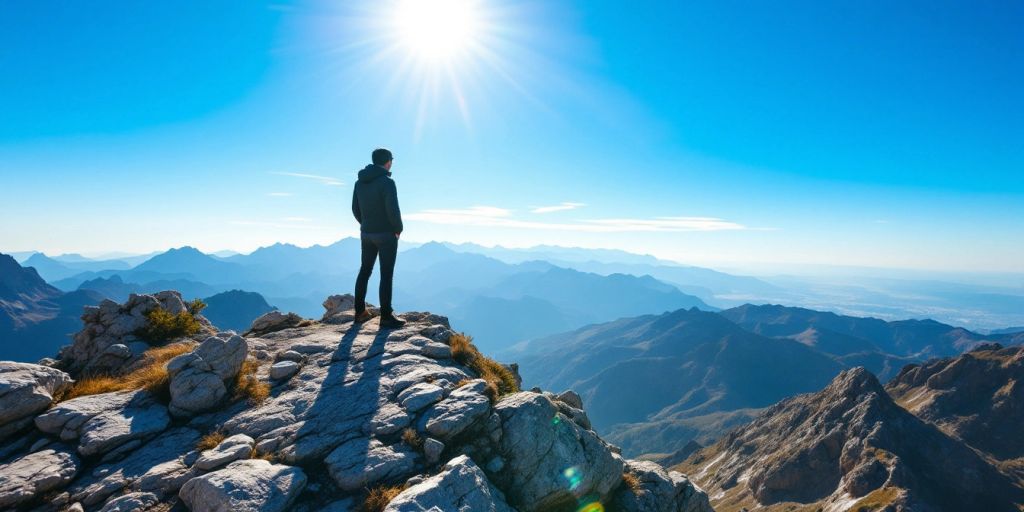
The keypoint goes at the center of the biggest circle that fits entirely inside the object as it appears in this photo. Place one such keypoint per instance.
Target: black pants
(374, 244)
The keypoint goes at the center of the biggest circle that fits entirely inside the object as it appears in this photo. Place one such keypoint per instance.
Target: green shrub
(196, 306)
(162, 326)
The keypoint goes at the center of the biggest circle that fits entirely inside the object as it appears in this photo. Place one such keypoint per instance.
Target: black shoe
(389, 321)
(362, 316)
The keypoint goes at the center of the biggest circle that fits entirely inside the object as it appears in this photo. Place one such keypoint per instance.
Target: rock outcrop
(246, 485)
(977, 397)
(26, 390)
(848, 447)
(351, 409)
(273, 321)
(101, 423)
(109, 340)
(461, 487)
(26, 477)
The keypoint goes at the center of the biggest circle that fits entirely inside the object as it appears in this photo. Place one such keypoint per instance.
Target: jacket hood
(372, 172)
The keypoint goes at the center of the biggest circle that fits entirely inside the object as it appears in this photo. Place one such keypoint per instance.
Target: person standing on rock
(375, 206)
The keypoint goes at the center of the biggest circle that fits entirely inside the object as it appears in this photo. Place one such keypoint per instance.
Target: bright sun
(437, 30)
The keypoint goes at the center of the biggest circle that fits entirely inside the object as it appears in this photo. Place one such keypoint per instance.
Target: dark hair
(381, 156)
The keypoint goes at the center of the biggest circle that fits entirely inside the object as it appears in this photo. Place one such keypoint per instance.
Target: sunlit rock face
(353, 413)
(849, 446)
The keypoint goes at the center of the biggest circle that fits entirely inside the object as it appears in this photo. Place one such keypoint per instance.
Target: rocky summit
(848, 447)
(302, 415)
(977, 397)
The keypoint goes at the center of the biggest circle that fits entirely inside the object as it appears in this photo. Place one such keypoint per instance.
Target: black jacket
(375, 201)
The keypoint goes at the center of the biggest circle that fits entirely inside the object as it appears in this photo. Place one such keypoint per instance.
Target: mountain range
(942, 435)
(658, 382)
(477, 289)
(36, 318)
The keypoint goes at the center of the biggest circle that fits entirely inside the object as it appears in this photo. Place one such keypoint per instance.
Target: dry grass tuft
(150, 373)
(210, 441)
(876, 500)
(631, 481)
(500, 380)
(379, 497)
(412, 438)
(267, 456)
(248, 386)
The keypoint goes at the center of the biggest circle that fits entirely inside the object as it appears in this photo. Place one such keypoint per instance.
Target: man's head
(382, 157)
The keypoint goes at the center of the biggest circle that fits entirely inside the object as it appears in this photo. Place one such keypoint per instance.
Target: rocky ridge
(848, 447)
(351, 409)
(977, 397)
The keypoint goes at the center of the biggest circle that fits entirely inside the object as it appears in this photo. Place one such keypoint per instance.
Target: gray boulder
(238, 446)
(252, 485)
(550, 460)
(25, 390)
(432, 449)
(571, 398)
(25, 478)
(290, 355)
(107, 421)
(451, 416)
(131, 502)
(659, 491)
(273, 321)
(339, 309)
(461, 487)
(284, 370)
(362, 462)
(199, 379)
(418, 396)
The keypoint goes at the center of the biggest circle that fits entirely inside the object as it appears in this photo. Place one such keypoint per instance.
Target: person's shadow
(345, 402)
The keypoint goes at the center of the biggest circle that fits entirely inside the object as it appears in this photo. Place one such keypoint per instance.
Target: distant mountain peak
(848, 447)
(185, 249)
(855, 383)
(22, 282)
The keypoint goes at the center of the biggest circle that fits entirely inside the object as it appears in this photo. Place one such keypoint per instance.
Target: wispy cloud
(557, 208)
(669, 224)
(491, 216)
(298, 219)
(279, 194)
(286, 223)
(326, 180)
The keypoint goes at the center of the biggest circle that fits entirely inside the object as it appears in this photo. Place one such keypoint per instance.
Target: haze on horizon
(726, 135)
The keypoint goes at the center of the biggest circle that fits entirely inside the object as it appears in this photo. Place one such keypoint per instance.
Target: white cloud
(490, 216)
(298, 219)
(279, 194)
(288, 223)
(669, 224)
(326, 180)
(557, 208)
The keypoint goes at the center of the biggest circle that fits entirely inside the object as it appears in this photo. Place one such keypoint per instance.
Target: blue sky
(729, 134)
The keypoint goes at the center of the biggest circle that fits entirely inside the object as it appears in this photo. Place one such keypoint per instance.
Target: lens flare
(591, 507)
(574, 476)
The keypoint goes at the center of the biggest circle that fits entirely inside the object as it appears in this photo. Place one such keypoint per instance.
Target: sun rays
(440, 59)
